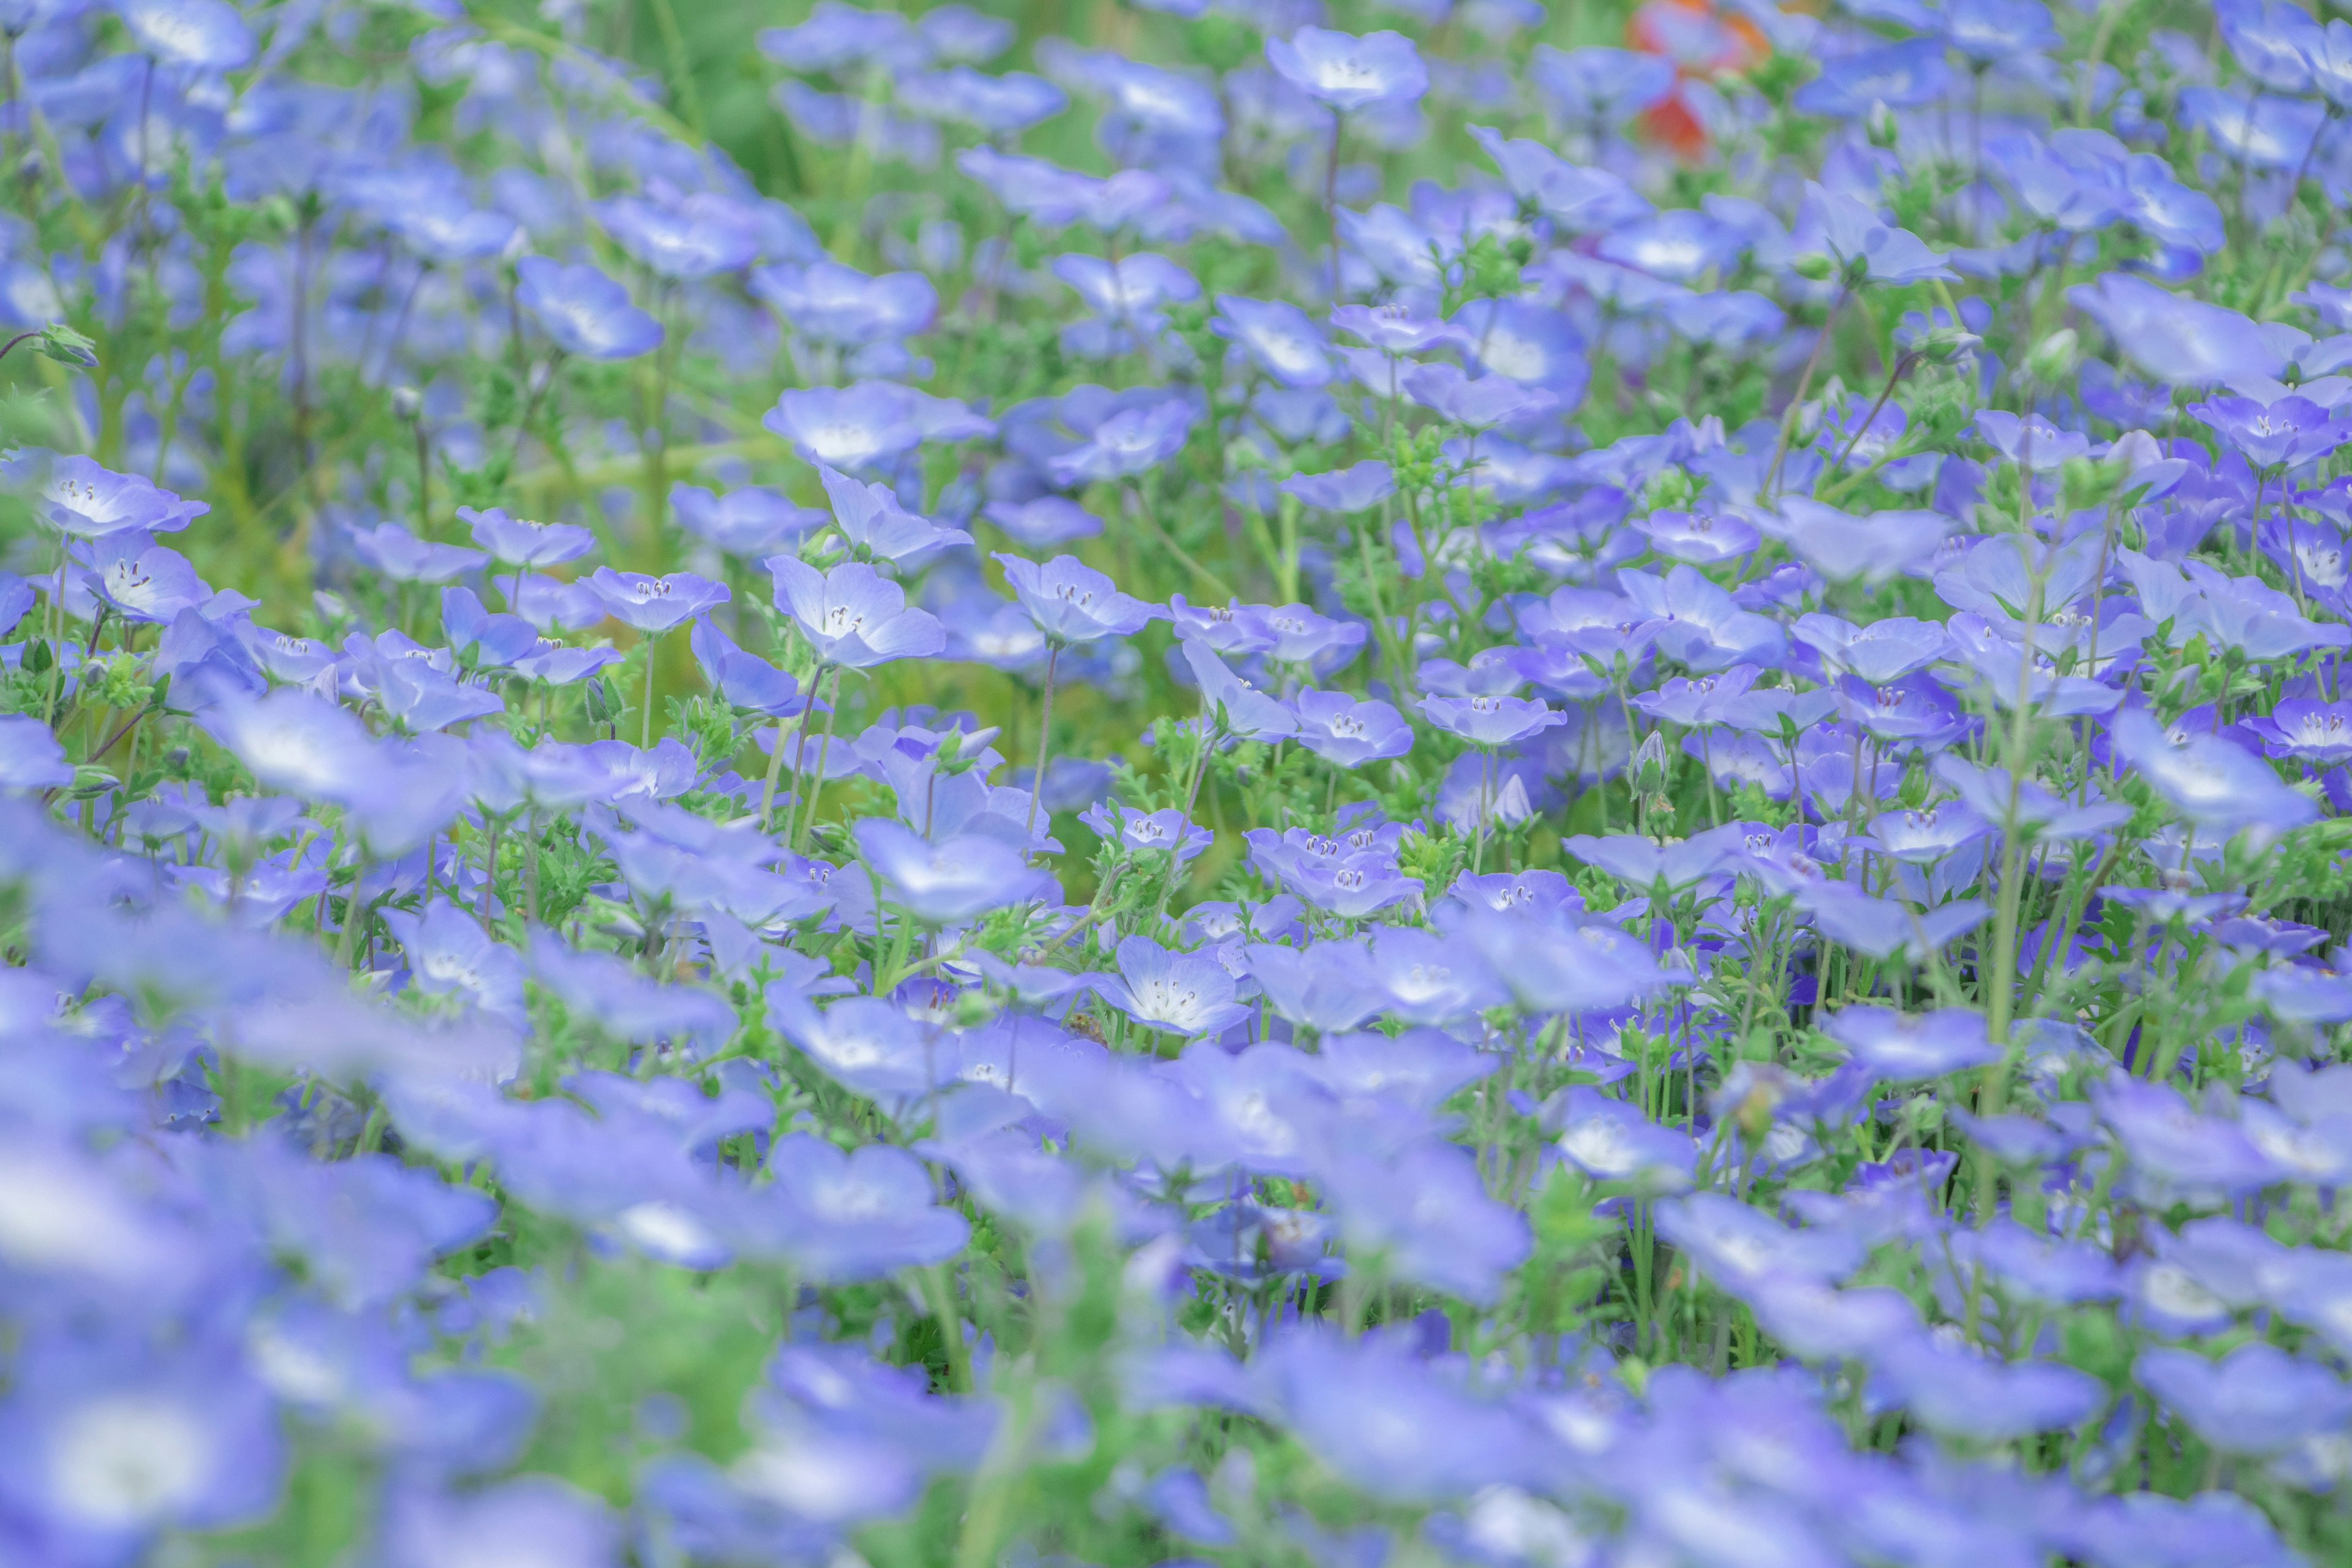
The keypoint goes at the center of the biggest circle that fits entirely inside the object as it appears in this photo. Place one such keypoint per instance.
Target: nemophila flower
(2215, 784)
(998, 104)
(1682, 245)
(1167, 831)
(1490, 720)
(863, 1043)
(1525, 342)
(950, 880)
(449, 954)
(1554, 967)
(1865, 248)
(1239, 708)
(584, 311)
(1187, 994)
(107, 1454)
(142, 582)
(1902, 75)
(1327, 986)
(701, 234)
(548, 604)
(837, 36)
(1960, 1394)
(405, 557)
(1987, 31)
(2315, 731)
(857, 1215)
(743, 679)
(2328, 55)
(1478, 402)
(1043, 523)
(852, 616)
(1132, 288)
(829, 303)
(1872, 547)
(1278, 337)
(78, 498)
(2179, 340)
(1347, 71)
(2273, 42)
(1426, 1216)
(1701, 538)
(867, 426)
(1904, 1048)
(2146, 1527)
(1073, 603)
(1056, 197)
(2261, 131)
(2287, 434)
(480, 637)
(1395, 329)
(199, 35)
(1913, 712)
(31, 758)
(1598, 86)
(1349, 733)
(750, 521)
(1133, 438)
(2031, 441)
(1692, 619)
(1729, 320)
(1352, 489)
(879, 528)
(1882, 927)
(1881, 651)
(1611, 1141)
(655, 605)
(520, 543)
(2258, 1399)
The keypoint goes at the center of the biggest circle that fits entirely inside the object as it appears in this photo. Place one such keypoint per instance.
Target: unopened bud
(407, 402)
(1817, 267)
(1650, 764)
(63, 344)
(1880, 123)
(2054, 359)
(1946, 344)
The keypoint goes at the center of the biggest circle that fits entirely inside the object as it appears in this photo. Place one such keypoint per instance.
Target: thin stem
(1192, 798)
(1902, 367)
(1797, 403)
(1044, 738)
(1331, 200)
(815, 788)
(645, 725)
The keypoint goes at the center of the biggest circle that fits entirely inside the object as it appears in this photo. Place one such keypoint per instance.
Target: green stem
(1044, 738)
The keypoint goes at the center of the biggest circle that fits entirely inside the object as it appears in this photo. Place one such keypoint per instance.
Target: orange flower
(1703, 43)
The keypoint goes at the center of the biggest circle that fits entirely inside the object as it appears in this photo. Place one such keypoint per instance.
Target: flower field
(1284, 783)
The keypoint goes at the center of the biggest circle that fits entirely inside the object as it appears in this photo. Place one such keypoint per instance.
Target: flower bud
(1880, 124)
(2054, 359)
(63, 344)
(1817, 267)
(1650, 764)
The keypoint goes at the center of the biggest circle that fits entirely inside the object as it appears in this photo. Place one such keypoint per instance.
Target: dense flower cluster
(1569, 791)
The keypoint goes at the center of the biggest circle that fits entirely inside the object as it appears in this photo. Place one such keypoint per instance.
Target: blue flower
(1348, 72)
(200, 35)
(1904, 75)
(1073, 603)
(1865, 247)
(852, 616)
(584, 311)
